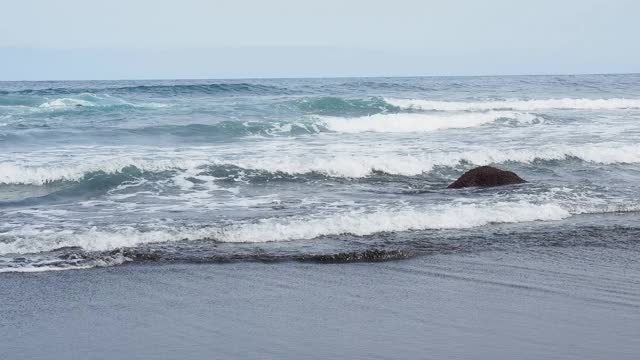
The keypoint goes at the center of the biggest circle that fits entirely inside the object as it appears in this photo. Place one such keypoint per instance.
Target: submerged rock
(486, 176)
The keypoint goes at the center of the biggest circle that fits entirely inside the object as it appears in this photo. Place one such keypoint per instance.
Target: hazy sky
(42, 39)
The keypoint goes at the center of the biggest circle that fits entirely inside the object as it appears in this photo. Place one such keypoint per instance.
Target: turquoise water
(101, 173)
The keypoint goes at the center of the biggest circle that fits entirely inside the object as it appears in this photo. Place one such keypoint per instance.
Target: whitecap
(93, 100)
(413, 122)
(358, 222)
(517, 105)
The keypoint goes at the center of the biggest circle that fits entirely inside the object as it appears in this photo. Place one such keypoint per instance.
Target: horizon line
(332, 77)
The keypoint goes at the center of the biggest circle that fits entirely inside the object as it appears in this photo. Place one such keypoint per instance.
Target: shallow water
(101, 173)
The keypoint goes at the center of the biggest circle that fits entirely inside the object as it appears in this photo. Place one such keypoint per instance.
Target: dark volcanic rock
(486, 176)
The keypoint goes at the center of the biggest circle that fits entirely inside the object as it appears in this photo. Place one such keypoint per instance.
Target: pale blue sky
(116, 39)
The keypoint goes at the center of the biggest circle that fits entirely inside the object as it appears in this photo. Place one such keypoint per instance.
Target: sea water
(101, 173)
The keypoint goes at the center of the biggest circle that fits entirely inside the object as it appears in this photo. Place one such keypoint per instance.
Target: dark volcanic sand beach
(562, 303)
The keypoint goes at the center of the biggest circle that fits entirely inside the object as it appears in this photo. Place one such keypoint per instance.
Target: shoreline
(565, 303)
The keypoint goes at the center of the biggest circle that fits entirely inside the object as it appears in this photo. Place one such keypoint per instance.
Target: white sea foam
(32, 269)
(32, 239)
(355, 166)
(42, 266)
(407, 122)
(65, 103)
(357, 222)
(517, 105)
(93, 100)
(341, 163)
(38, 175)
(366, 223)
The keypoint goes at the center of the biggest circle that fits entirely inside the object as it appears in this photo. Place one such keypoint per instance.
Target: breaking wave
(335, 165)
(356, 222)
(94, 101)
(229, 129)
(517, 105)
(76, 103)
(362, 223)
(412, 122)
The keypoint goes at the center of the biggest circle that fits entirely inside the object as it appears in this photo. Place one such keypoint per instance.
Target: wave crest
(359, 222)
(90, 100)
(412, 122)
(331, 164)
(517, 105)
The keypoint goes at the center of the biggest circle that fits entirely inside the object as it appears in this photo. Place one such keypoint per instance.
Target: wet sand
(554, 303)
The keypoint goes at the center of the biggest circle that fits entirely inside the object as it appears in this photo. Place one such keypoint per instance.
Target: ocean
(103, 173)
(310, 218)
